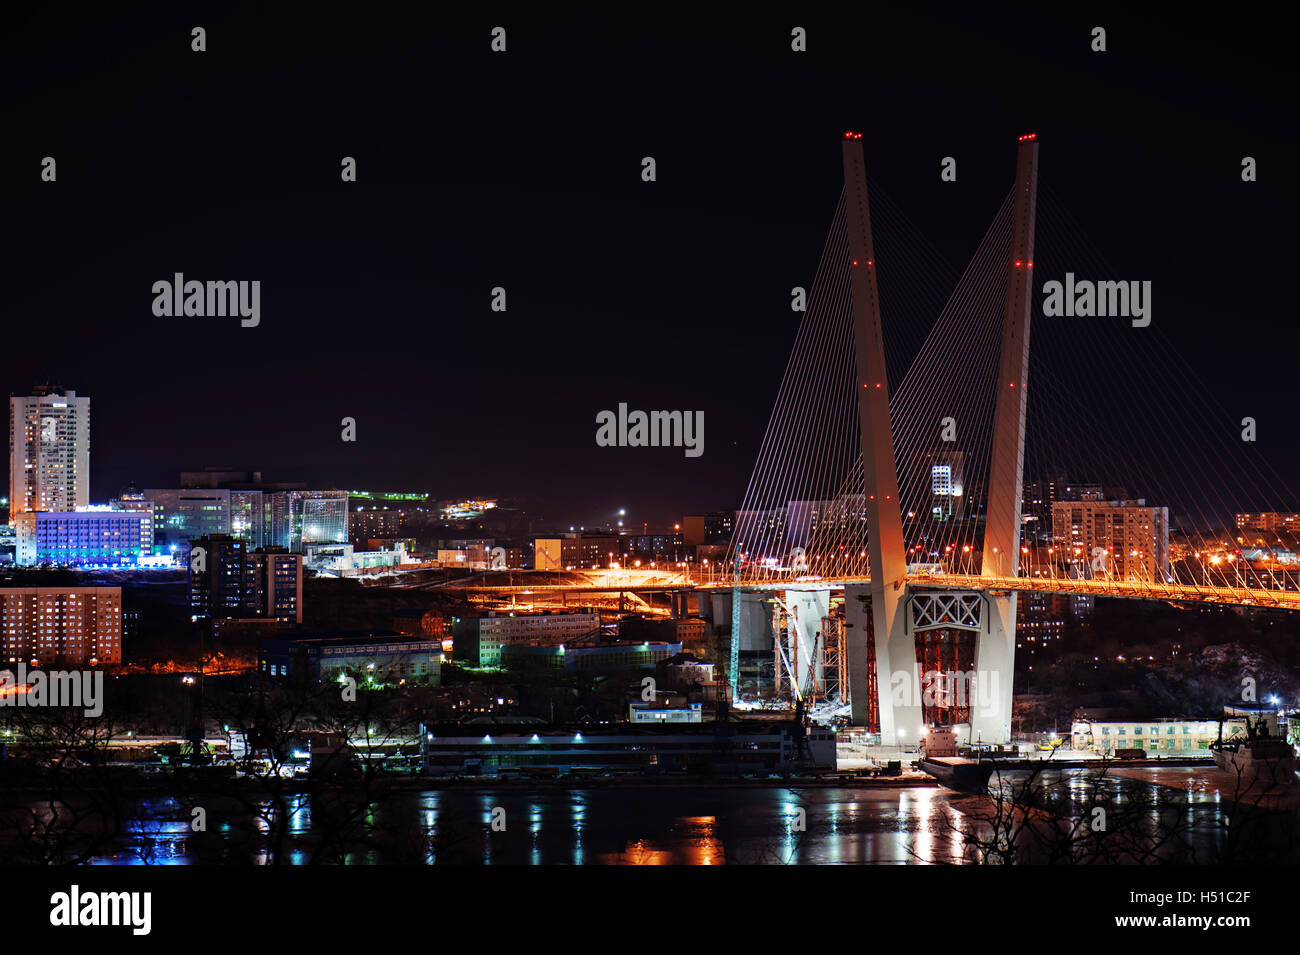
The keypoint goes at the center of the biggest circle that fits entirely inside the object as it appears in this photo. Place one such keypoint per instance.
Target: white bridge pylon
(877, 609)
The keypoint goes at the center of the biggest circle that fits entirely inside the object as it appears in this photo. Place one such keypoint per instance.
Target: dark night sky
(523, 170)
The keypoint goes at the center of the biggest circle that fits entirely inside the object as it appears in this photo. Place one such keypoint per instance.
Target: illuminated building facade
(49, 451)
(1128, 538)
(296, 518)
(86, 537)
(1270, 522)
(579, 551)
(366, 523)
(183, 515)
(69, 626)
(1172, 737)
(479, 640)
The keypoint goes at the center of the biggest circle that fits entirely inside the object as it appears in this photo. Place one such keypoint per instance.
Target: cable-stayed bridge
(914, 500)
(888, 531)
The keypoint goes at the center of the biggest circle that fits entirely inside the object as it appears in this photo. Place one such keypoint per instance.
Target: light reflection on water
(668, 826)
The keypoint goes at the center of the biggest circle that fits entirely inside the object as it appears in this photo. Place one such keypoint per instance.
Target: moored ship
(1260, 761)
(940, 760)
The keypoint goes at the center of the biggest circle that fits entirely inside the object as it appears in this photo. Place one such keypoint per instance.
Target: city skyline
(376, 294)
(494, 439)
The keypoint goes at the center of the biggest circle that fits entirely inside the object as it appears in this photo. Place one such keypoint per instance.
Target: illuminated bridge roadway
(621, 581)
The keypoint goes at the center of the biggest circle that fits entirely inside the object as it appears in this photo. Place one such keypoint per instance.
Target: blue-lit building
(87, 537)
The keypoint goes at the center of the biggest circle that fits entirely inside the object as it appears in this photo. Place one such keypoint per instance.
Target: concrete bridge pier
(898, 674)
(995, 654)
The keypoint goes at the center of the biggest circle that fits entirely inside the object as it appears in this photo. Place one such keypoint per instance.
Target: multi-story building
(578, 551)
(944, 475)
(296, 518)
(804, 519)
(761, 532)
(665, 547)
(263, 518)
(479, 640)
(1270, 522)
(248, 516)
(1127, 538)
(365, 523)
(49, 451)
(69, 626)
(373, 658)
(690, 631)
(1158, 736)
(231, 581)
(183, 515)
(134, 501)
(1040, 621)
(86, 537)
(712, 528)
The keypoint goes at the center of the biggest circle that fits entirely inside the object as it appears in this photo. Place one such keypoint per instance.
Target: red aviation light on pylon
(849, 134)
(1027, 137)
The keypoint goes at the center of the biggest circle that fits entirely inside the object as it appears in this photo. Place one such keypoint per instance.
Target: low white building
(1162, 737)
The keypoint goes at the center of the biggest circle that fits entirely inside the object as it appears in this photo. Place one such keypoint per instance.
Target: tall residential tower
(49, 451)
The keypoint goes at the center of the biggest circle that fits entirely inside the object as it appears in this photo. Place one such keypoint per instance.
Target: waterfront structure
(49, 451)
(1168, 737)
(69, 626)
(490, 748)
(655, 712)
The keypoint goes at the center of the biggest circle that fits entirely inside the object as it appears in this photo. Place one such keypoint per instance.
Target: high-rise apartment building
(1116, 540)
(49, 451)
(232, 581)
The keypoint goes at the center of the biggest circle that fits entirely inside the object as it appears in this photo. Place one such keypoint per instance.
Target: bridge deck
(1133, 589)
